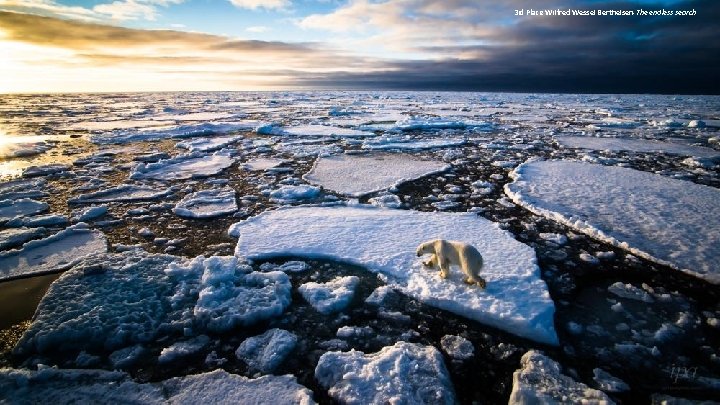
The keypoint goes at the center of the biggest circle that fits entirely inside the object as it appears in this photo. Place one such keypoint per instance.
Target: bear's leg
(432, 262)
(444, 268)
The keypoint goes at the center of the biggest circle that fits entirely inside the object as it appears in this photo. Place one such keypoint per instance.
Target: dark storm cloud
(573, 54)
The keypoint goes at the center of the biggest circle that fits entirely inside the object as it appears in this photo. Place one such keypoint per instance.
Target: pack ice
(635, 145)
(405, 373)
(207, 203)
(56, 252)
(183, 167)
(356, 175)
(669, 221)
(114, 387)
(113, 301)
(384, 240)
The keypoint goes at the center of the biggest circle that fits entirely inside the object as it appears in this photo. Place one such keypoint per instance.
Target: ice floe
(110, 301)
(56, 252)
(99, 386)
(333, 296)
(356, 175)
(10, 238)
(10, 209)
(635, 145)
(457, 347)
(665, 220)
(264, 353)
(311, 130)
(208, 144)
(540, 381)
(88, 213)
(288, 194)
(183, 349)
(22, 188)
(262, 163)
(38, 221)
(394, 143)
(383, 240)
(428, 124)
(405, 373)
(122, 193)
(207, 203)
(183, 131)
(194, 165)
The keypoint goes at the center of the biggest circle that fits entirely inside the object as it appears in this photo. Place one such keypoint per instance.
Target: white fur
(446, 253)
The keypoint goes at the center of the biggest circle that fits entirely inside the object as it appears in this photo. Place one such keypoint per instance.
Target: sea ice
(10, 238)
(122, 193)
(46, 170)
(405, 373)
(194, 165)
(113, 387)
(429, 124)
(38, 221)
(264, 353)
(208, 144)
(89, 213)
(392, 143)
(634, 145)
(356, 175)
(384, 240)
(665, 220)
(183, 131)
(56, 252)
(457, 347)
(288, 194)
(22, 188)
(333, 296)
(183, 349)
(540, 381)
(609, 383)
(262, 163)
(207, 203)
(10, 209)
(311, 130)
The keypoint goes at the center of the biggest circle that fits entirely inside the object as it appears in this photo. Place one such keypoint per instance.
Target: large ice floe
(110, 301)
(194, 165)
(56, 252)
(635, 145)
(665, 220)
(540, 381)
(356, 175)
(405, 373)
(207, 203)
(384, 240)
(114, 387)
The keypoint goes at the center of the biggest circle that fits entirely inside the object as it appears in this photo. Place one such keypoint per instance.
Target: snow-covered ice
(356, 175)
(262, 163)
(88, 213)
(183, 349)
(387, 144)
(23, 188)
(665, 220)
(122, 193)
(333, 296)
(35, 221)
(194, 165)
(311, 130)
(183, 131)
(10, 209)
(113, 387)
(10, 238)
(288, 194)
(540, 381)
(207, 203)
(405, 373)
(609, 383)
(635, 145)
(208, 144)
(383, 240)
(56, 252)
(264, 353)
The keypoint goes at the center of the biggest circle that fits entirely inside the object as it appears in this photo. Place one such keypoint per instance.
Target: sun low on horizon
(191, 45)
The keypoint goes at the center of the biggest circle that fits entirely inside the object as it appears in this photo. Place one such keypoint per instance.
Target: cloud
(258, 29)
(266, 4)
(119, 10)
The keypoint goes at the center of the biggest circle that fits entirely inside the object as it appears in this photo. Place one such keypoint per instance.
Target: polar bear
(445, 253)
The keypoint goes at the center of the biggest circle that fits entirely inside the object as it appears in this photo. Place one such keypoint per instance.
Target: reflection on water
(18, 152)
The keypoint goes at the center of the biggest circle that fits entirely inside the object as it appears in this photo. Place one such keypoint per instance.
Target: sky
(467, 45)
